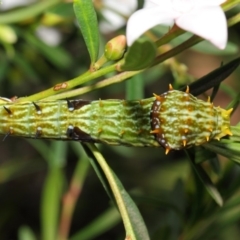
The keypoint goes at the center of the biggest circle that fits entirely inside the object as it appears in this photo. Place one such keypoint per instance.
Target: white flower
(116, 13)
(204, 18)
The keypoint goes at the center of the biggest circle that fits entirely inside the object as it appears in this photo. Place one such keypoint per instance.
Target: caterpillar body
(173, 120)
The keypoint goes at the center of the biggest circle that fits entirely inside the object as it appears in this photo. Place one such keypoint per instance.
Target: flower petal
(164, 4)
(115, 14)
(209, 23)
(125, 7)
(144, 19)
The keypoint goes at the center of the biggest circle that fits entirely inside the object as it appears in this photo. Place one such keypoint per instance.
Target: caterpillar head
(225, 123)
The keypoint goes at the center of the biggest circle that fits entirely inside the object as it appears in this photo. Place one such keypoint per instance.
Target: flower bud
(115, 48)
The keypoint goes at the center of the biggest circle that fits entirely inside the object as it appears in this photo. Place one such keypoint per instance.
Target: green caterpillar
(173, 120)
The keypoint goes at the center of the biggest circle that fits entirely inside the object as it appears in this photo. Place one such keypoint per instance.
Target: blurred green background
(40, 46)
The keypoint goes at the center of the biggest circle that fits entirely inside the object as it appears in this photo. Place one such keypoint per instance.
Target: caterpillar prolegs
(173, 120)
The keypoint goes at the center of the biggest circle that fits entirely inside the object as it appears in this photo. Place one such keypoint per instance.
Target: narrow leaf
(227, 149)
(135, 87)
(26, 233)
(213, 78)
(51, 200)
(212, 190)
(101, 224)
(87, 20)
(99, 172)
(234, 103)
(132, 219)
(26, 12)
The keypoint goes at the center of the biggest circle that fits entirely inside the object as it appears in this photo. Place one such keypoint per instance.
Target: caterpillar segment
(115, 122)
(173, 120)
(179, 120)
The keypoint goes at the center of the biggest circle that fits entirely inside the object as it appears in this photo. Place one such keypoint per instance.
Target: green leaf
(99, 172)
(50, 206)
(52, 190)
(54, 154)
(26, 233)
(208, 48)
(201, 154)
(87, 20)
(234, 103)
(139, 56)
(135, 87)
(132, 219)
(213, 78)
(15, 168)
(62, 9)
(4, 67)
(226, 147)
(101, 224)
(140, 4)
(203, 47)
(212, 190)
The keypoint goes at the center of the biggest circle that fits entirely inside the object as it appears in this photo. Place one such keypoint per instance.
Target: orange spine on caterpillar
(179, 120)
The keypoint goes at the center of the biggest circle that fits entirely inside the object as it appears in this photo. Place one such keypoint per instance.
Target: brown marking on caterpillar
(155, 121)
(81, 135)
(70, 105)
(189, 121)
(70, 131)
(76, 133)
(38, 132)
(158, 97)
(182, 131)
(124, 103)
(8, 110)
(185, 97)
(14, 98)
(38, 109)
(77, 104)
(100, 102)
(60, 86)
(122, 132)
(11, 130)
